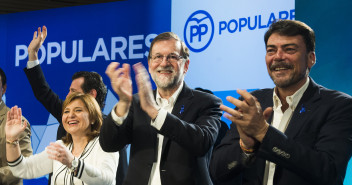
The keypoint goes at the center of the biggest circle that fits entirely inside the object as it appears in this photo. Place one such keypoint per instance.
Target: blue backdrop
(332, 23)
(85, 38)
(90, 37)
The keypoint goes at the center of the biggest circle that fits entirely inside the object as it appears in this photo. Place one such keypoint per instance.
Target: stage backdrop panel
(226, 40)
(81, 38)
(332, 23)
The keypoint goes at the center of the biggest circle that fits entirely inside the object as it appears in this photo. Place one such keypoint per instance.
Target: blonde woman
(77, 158)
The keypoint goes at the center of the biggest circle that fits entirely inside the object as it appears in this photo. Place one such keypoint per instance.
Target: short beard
(291, 81)
(164, 82)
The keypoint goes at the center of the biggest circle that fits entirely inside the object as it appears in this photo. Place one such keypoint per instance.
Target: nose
(164, 61)
(71, 114)
(279, 54)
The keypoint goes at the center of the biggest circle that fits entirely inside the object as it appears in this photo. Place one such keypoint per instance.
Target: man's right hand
(35, 44)
(121, 82)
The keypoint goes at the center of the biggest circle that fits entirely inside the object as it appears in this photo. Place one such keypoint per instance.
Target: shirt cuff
(31, 64)
(160, 119)
(117, 119)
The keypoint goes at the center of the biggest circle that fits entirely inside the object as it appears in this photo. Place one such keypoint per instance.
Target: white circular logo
(199, 31)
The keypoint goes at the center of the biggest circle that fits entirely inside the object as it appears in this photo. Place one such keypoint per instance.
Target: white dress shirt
(280, 121)
(165, 106)
(31, 64)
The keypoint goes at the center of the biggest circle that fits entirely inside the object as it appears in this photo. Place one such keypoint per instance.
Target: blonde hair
(94, 111)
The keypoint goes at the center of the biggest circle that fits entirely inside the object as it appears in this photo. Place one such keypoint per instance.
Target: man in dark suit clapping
(171, 129)
(303, 136)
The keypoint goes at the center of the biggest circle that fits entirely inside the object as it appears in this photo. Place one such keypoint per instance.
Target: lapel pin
(303, 109)
(182, 109)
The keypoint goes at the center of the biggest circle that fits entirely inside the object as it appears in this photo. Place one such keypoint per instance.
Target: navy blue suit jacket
(315, 148)
(189, 134)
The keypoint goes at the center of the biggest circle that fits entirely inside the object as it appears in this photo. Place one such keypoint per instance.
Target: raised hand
(14, 125)
(145, 91)
(38, 39)
(59, 152)
(121, 82)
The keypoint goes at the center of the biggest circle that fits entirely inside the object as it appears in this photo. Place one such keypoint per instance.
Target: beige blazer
(6, 177)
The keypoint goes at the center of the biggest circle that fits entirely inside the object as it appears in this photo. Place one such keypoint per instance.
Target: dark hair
(3, 77)
(92, 80)
(168, 36)
(292, 28)
(95, 115)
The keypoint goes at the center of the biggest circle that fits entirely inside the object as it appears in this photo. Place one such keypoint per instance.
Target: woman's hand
(60, 153)
(14, 125)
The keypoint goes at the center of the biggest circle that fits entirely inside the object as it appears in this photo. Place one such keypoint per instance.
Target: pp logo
(198, 31)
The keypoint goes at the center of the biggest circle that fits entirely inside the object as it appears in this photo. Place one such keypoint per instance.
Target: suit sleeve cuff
(16, 162)
(31, 64)
(160, 119)
(117, 119)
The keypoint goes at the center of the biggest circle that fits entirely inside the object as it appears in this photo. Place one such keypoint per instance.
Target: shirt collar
(172, 99)
(291, 100)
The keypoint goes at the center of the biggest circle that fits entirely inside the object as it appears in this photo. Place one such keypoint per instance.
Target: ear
(311, 59)
(186, 65)
(93, 93)
(149, 64)
(4, 87)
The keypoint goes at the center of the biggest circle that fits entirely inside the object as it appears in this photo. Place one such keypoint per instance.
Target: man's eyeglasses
(172, 58)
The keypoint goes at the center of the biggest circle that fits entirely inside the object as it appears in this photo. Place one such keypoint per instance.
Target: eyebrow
(175, 53)
(285, 45)
(73, 108)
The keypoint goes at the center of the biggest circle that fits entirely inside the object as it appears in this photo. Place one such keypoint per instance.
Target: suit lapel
(307, 104)
(153, 133)
(181, 106)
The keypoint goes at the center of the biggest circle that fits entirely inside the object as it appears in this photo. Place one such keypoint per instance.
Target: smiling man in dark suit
(308, 136)
(172, 129)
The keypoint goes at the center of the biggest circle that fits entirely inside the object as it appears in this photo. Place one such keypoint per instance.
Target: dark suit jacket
(314, 149)
(53, 104)
(189, 134)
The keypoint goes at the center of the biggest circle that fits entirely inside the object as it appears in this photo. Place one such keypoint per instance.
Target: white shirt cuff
(31, 64)
(118, 120)
(160, 119)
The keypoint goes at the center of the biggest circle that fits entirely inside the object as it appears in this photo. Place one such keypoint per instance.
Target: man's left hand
(145, 91)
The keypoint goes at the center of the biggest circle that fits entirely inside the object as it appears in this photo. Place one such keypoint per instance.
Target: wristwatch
(74, 165)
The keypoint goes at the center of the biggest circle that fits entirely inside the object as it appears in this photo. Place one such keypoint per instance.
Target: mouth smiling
(165, 71)
(73, 122)
(280, 67)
